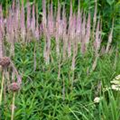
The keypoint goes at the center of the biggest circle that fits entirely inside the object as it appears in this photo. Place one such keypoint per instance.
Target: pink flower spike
(37, 34)
(51, 20)
(44, 13)
(22, 20)
(19, 80)
(28, 15)
(110, 37)
(87, 38)
(97, 37)
(33, 19)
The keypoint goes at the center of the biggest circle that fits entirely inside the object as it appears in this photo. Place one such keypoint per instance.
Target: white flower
(97, 99)
(117, 77)
(116, 87)
(115, 82)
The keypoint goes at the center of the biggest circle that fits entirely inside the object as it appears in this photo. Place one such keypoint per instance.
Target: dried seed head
(5, 61)
(14, 87)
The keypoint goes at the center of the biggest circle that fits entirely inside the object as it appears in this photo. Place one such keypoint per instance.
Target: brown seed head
(14, 87)
(5, 61)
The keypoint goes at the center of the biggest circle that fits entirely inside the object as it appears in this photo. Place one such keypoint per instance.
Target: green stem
(2, 84)
(13, 106)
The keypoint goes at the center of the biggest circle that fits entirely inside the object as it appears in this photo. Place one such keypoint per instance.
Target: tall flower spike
(69, 29)
(17, 21)
(33, 19)
(1, 32)
(37, 34)
(60, 23)
(73, 30)
(110, 37)
(97, 37)
(10, 34)
(94, 19)
(28, 15)
(44, 14)
(83, 46)
(87, 36)
(64, 32)
(51, 20)
(57, 37)
(2, 20)
(22, 20)
(78, 29)
(83, 26)
(97, 44)
(28, 30)
(13, 5)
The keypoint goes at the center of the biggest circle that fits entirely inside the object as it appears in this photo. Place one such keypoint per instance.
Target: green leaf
(110, 2)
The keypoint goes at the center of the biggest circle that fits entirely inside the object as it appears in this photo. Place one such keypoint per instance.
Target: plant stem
(1, 88)
(35, 64)
(13, 106)
(63, 90)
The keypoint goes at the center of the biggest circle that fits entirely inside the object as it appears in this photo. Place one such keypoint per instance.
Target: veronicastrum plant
(76, 33)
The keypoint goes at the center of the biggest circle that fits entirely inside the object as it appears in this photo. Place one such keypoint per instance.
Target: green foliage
(45, 97)
(110, 2)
